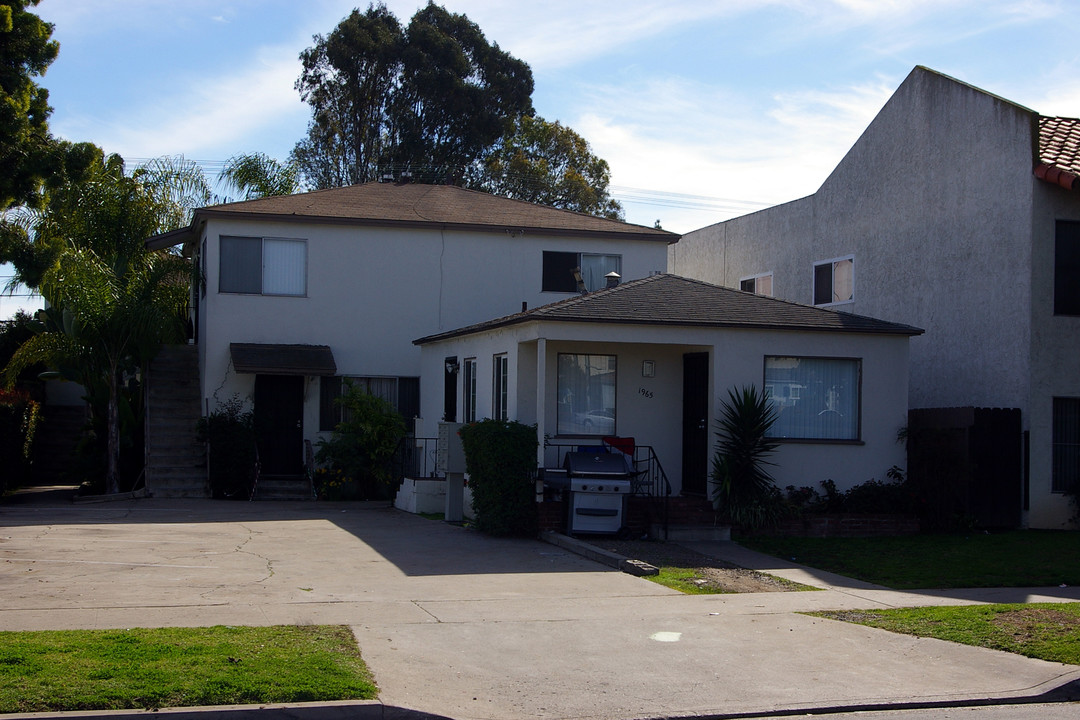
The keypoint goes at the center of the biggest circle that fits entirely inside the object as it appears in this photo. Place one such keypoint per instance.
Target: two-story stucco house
(299, 291)
(958, 212)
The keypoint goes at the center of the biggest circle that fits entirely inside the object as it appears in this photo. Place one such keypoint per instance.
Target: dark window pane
(823, 291)
(1066, 433)
(747, 285)
(241, 265)
(559, 272)
(329, 411)
(1067, 268)
(409, 398)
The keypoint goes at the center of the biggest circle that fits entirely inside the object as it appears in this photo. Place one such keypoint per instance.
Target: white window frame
(757, 284)
(468, 390)
(832, 281)
(796, 393)
(500, 384)
(599, 283)
(302, 292)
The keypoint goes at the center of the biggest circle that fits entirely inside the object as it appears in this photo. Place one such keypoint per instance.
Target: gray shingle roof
(673, 300)
(415, 205)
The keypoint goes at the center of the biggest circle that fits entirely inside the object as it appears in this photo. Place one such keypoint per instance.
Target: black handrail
(649, 479)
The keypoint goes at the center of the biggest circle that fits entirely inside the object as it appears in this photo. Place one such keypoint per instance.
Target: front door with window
(279, 422)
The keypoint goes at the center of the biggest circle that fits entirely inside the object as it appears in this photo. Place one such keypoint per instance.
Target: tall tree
(112, 303)
(29, 155)
(431, 98)
(550, 164)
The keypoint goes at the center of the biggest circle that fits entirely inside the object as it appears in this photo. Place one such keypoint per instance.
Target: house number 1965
(646, 393)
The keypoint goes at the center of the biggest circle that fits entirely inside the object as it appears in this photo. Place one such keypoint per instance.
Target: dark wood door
(695, 465)
(279, 421)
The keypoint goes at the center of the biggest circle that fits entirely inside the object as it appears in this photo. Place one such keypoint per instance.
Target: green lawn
(176, 667)
(1047, 631)
(1020, 558)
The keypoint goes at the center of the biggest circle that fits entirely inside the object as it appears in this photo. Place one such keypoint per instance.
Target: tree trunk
(112, 481)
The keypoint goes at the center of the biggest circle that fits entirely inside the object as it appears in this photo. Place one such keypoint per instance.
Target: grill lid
(596, 464)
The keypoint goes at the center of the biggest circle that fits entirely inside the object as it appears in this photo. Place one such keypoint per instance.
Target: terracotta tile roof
(1059, 151)
(673, 300)
(416, 205)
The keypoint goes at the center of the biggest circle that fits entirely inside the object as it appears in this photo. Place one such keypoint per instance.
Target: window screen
(814, 398)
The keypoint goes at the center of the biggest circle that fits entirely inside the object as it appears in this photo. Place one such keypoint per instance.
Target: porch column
(541, 397)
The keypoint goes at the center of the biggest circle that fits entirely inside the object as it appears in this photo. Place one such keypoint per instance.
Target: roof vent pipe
(612, 279)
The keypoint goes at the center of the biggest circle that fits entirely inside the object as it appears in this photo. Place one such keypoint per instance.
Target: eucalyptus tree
(550, 164)
(112, 303)
(431, 98)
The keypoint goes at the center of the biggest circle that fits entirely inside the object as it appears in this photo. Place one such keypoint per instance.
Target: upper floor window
(559, 267)
(263, 266)
(834, 281)
(1067, 268)
(586, 388)
(757, 284)
(814, 398)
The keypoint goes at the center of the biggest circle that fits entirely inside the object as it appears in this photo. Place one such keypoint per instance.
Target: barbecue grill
(599, 483)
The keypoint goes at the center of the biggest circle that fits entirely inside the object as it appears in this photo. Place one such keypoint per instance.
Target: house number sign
(644, 392)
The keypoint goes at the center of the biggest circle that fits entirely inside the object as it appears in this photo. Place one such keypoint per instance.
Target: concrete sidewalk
(460, 625)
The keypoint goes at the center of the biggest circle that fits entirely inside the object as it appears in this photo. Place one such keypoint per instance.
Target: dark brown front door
(279, 422)
(695, 423)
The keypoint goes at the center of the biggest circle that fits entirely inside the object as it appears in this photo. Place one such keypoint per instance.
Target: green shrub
(742, 491)
(500, 457)
(871, 497)
(19, 417)
(230, 431)
(357, 458)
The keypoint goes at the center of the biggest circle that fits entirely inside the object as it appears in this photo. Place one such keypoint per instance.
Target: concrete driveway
(458, 624)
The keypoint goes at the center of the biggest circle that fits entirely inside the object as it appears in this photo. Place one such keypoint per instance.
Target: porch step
(691, 532)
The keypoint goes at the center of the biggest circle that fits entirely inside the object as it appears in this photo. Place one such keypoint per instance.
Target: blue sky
(704, 110)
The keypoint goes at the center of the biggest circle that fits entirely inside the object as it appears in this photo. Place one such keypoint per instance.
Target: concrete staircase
(175, 459)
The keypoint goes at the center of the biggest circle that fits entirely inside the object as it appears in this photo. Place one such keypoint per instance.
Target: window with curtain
(586, 394)
(814, 398)
(834, 281)
(401, 392)
(1066, 442)
(263, 266)
(558, 270)
(758, 284)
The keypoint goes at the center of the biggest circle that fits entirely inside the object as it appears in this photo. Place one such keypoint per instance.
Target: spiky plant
(743, 492)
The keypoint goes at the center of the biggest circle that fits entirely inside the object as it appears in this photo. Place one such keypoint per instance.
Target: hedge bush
(500, 457)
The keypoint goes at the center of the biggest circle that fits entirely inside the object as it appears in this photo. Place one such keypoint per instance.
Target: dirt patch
(709, 573)
(1030, 623)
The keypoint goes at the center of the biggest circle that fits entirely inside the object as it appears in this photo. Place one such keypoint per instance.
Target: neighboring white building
(298, 291)
(653, 359)
(956, 211)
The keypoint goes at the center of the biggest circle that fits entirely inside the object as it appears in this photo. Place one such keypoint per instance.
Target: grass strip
(59, 670)
(1046, 631)
(685, 580)
(1021, 558)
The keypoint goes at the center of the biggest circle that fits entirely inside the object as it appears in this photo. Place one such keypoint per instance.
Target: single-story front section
(654, 359)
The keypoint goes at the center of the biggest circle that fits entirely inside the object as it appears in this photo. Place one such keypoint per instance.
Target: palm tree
(112, 303)
(258, 175)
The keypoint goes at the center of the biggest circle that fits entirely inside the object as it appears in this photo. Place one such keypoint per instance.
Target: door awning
(273, 359)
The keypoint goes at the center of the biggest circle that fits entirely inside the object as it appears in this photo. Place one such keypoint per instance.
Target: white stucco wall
(371, 291)
(737, 359)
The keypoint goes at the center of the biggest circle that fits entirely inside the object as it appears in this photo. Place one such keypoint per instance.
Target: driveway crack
(269, 561)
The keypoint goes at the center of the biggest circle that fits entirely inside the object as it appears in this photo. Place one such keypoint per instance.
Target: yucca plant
(743, 492)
